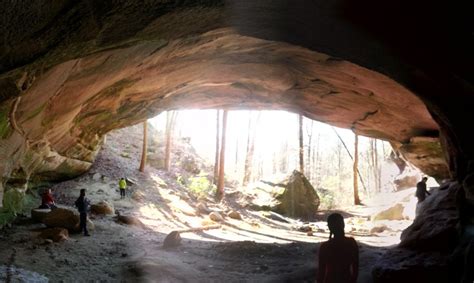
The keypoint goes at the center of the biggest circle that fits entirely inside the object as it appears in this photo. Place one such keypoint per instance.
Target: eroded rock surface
(435, 227)
(74, 71)
(402, 265)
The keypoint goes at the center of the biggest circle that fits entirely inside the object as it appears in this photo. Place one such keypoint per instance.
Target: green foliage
(201, 186)
(181, 180)
(6, 217)
(13, 201)
(326, 198)
(5, 129)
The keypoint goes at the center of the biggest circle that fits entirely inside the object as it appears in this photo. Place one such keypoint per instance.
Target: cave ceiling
(70, 71)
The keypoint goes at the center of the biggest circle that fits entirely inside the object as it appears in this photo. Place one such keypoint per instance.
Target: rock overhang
(60, 103)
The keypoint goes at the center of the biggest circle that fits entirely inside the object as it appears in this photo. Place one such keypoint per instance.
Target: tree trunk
(144, 147)
(356, 170)
(316, 161)
(220, 184)
(300, 123)
(339, 165)
(251, 136)
(350, 155)
(372, 166)
(284, 157)
(377, 168)
(216, 163)
(170, 120)
(309, 133)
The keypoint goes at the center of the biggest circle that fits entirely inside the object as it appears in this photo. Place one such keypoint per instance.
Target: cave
(72, 71)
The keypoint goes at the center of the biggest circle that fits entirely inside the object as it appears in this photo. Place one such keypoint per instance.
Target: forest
(252, 145)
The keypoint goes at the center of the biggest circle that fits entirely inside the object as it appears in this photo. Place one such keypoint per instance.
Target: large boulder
(298, 199)
(38, 214)
(435, 227)
(130, 220)
(55, 234)
(65, 218)
(406, 180)
(216, 216)
(102, 208)
(393, 213)
(234, 215)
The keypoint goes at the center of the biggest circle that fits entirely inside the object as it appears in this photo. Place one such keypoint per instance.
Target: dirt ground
(258, 248)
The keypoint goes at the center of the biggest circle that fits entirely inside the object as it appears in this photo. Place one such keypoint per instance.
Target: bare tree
(377, 172)
(339, 164)
(350, 155)
(309, 132)
(284, 157)
(220, 183)
(316, 161)
(251, 137)
(170, 121)
(216, 163)
(356, 169)
(144, 147)
(300, 137)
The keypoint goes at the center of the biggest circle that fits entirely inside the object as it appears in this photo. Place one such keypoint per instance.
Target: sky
(200, 126)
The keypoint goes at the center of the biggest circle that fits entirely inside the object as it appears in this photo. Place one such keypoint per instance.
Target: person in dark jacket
(82, 204)
(421, 191)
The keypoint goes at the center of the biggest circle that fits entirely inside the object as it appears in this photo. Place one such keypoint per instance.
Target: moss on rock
(13, 201)
(5, 128)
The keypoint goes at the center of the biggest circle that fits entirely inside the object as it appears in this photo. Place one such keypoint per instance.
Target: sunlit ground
(255, 226)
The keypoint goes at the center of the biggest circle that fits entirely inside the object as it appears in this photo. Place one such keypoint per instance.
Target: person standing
(123, 187)
(421, 191)
(338, 257)
(82, 204)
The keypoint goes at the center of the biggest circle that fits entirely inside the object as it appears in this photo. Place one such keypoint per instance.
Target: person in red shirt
(47, 200)
(338, 257)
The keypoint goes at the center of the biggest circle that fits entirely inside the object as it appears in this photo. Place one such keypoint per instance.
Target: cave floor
(257, 248)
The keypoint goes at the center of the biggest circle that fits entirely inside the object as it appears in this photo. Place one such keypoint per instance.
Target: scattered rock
(202, 208)
(130, 220)
(378, 229)
(186, 210)
(102, 208)
(407, 179)
(54, 234)
(310, 233)
(172, 240)
(275, 216)
(305, 228)
(234, 215)
(38, 214)
(48, 241)
(138, 196)
(216, 216)
(131, 181)
(96, 177)
(393, 213)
